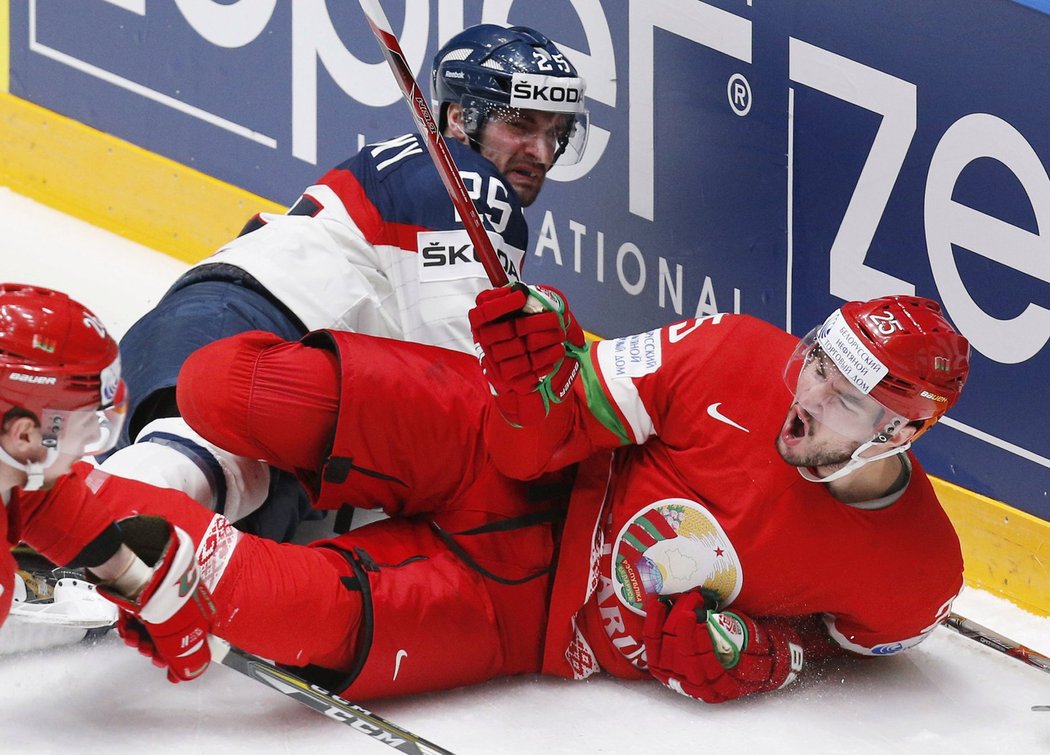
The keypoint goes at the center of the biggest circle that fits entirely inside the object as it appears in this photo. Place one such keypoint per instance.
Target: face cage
(831, 400)
(568, 146)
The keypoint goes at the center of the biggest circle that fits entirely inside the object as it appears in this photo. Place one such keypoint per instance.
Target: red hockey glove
(715, 656)
(530, 359)
(170, 619)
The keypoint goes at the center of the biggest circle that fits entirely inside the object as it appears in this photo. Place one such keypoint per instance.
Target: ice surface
(949, 695)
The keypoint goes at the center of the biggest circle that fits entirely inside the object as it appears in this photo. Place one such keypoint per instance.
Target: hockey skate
(52, 607)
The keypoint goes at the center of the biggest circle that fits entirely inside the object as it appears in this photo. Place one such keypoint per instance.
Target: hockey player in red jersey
(664, 468)
(375, 246)
(730, 519)
(61, 398)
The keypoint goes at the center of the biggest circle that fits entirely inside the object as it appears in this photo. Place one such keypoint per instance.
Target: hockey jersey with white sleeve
(694, 494)
(377, 247)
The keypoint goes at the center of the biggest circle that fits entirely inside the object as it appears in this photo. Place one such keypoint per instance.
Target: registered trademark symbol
(739, 93)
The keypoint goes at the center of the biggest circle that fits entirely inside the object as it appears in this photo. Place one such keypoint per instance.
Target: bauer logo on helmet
(20, 377)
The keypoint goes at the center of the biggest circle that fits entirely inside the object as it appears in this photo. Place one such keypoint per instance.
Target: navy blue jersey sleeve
(400, 179)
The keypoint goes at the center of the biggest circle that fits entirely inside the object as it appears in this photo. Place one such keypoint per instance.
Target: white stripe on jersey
(432, 312)
(887, 648)
(324, 270)
(319, 267)
(623, 391)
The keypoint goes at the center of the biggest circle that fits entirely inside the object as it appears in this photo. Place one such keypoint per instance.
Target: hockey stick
(321, 700)
(436, 146)
(996, 641)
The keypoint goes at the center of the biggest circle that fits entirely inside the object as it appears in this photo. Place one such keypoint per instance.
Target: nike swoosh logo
(712, 410)
(401, 655)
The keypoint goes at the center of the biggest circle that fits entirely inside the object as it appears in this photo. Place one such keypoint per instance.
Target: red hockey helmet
(927, 360)
(58, 362)
(899, 351)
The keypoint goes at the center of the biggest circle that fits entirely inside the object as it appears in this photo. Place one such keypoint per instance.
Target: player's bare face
(81, 431)
(24, 442)
(522, 144)
(805, 442)
(829, 419)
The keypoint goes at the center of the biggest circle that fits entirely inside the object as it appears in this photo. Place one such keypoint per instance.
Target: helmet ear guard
(474, 115)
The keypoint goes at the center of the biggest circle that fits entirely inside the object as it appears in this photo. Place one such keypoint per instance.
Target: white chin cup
(34, 469)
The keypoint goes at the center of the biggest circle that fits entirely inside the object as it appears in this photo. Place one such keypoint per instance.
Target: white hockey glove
(169, 620)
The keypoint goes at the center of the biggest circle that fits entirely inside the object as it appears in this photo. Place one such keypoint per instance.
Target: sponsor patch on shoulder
(637, 355)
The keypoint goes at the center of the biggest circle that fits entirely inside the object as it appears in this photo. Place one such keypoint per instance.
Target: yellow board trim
(180, 211)
(1007, 551)
(117, 185)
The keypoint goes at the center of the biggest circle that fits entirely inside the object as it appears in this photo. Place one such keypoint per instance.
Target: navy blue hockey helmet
(489, 69)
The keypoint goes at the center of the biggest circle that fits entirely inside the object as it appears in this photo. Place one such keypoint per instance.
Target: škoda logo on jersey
(448, 255)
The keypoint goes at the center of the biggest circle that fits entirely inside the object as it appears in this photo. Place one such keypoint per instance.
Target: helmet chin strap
(34, 469)
(856, 461)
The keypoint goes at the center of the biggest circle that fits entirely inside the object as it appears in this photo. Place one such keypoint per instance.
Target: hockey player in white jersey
(375, 246)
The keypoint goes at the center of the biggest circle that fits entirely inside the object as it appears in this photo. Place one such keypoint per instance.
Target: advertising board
(773, 158)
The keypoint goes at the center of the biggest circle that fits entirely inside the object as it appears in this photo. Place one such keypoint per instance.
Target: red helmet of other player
(58, 363)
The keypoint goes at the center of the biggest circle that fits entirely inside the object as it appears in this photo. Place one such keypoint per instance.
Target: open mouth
(797, 425)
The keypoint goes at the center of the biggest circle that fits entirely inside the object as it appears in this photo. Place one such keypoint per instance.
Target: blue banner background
(795, 148)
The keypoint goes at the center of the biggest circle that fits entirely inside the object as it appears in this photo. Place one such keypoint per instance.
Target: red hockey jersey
(695, 494)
